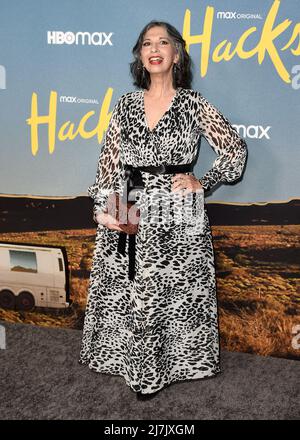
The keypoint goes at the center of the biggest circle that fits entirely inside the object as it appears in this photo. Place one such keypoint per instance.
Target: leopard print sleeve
(108, 167)
(230, 148)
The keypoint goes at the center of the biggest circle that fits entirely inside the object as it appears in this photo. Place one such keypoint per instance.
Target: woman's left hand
(185, 183)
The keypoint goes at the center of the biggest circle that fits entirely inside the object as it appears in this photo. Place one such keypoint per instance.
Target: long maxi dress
(162, 326)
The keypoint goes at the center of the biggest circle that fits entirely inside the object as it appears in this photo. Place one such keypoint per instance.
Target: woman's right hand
(107, 220)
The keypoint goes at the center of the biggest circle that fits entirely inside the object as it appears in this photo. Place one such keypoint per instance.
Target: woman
(161, 325)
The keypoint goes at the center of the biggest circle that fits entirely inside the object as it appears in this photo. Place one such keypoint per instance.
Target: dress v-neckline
(165, 113)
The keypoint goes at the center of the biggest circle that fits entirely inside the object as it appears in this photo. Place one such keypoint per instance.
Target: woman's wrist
(210, 178)
(204, 185)
(97, 209)
(95, 216)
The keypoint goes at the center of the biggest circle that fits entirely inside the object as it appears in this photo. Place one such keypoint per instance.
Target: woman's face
(157, 43)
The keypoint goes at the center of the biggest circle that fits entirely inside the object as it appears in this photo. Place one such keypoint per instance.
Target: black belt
(133, 180)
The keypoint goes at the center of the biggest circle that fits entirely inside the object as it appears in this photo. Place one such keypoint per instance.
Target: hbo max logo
(95, 39)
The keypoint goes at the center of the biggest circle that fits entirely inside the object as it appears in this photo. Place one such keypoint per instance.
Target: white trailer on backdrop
(33, 276)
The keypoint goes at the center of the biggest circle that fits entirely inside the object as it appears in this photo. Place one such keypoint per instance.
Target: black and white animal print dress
(162, 326)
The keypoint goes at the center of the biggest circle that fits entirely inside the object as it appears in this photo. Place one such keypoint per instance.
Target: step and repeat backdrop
(63, 66)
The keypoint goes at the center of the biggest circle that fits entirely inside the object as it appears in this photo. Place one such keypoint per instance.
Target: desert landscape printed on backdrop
(257, 256)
